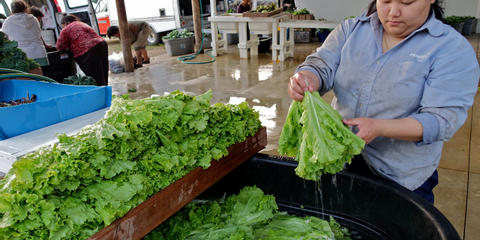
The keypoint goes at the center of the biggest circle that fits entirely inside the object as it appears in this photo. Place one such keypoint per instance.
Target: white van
(161, 15)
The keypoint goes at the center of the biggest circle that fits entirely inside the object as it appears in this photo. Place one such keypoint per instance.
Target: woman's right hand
(297, 85)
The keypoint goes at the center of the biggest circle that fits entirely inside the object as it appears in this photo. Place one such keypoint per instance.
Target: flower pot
(467, 28)
(474, 27)
(322, 35)
(458, 26)
(179, 46)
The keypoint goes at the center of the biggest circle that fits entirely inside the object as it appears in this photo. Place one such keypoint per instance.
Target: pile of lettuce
(315, 135)
(83, 183)
(248, 215)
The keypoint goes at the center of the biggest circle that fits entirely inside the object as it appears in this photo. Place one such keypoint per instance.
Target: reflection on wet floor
(257, 80)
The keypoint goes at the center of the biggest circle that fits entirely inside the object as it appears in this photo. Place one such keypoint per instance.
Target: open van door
(82, 9)
(4, 12)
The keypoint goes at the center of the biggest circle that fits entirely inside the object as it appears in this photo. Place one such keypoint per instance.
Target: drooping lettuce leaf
(315, 135)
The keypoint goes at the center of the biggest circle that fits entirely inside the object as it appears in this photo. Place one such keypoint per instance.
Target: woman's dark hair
(69, 19)
(18, 6)
(36, 12)
(436, 7)
(112, 30)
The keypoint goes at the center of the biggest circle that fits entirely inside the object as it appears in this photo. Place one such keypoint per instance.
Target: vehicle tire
(153, 38)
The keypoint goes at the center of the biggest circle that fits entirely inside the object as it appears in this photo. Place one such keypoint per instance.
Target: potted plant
(322, 33)
(302, 14)
(179, 42)
(263, 11)
(468, 25)
(456, 22)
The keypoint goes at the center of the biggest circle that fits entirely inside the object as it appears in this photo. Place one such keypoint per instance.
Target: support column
(125, 38)
(242, 39)
(197, 24)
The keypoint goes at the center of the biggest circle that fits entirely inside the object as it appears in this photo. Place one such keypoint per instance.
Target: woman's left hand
(368, 128)
(408, 129)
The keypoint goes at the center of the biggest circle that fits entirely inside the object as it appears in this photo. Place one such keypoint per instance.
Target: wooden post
(197, 24)
(125, 39)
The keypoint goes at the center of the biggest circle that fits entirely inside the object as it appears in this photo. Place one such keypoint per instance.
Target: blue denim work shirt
(431, 76)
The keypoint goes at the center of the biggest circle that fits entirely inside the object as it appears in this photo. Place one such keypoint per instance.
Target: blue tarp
(55, 103)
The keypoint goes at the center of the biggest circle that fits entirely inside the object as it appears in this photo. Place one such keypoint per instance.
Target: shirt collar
(433, 26)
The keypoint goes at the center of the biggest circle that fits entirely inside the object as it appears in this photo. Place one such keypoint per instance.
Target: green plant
(175, 34)
(230, 11)
(302, 11)
(348, 17)
(79, 80)
(265, 8)
(456, 19)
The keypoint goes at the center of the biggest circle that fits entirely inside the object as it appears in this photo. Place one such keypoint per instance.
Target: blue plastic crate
(55, 103)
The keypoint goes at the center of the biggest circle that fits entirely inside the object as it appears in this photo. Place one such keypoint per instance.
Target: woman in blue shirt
(403, 80)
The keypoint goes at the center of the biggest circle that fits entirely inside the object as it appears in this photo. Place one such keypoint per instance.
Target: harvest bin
(179, 46)
(369, 208)
(55, 103)
(60, 66)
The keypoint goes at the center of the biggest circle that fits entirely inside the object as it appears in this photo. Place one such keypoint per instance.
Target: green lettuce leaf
(315, 135)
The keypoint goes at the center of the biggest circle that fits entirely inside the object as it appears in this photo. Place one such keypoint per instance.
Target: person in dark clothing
(138, 31)
(288, 4)
(244, 6)
(89, 49)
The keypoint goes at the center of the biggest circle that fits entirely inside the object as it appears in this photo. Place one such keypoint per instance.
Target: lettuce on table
(315, 135)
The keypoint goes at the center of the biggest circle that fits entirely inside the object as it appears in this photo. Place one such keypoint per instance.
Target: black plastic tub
(61, 65)
(369, 208)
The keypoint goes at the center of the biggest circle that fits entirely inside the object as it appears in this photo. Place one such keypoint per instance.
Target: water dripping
(319, 197)
(334, 181)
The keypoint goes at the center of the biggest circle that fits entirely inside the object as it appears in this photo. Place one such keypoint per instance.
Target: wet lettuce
(315, 135)
(248, 215)
(83, 183)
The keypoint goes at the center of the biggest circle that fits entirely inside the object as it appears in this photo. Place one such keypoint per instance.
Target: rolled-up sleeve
(325, 61)
(448, 93)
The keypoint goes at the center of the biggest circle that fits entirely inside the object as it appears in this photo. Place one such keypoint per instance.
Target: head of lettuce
(315, 135)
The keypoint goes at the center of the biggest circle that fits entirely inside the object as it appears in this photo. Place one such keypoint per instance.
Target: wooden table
(286, 47)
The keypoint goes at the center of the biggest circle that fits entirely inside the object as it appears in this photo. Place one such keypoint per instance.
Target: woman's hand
(368, 128)
(298, 84)
(407, 129)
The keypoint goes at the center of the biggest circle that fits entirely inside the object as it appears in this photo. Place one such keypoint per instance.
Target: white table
(237, 24)
(286, 47)
(226, 24)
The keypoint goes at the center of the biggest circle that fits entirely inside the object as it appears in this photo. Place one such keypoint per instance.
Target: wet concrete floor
(256, 80)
